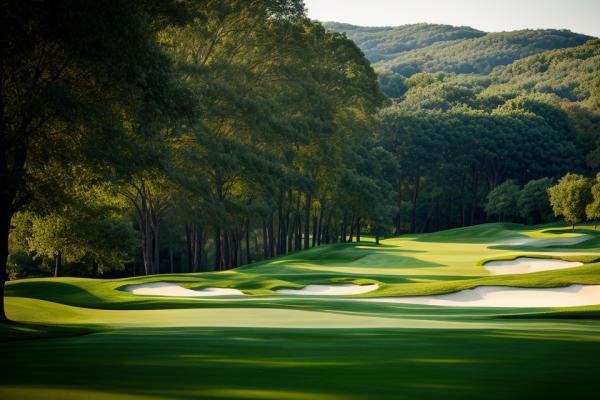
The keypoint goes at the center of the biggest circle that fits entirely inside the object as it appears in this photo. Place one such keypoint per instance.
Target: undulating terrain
(263, 345)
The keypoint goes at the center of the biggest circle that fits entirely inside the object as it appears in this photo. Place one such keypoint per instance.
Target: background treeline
(202, 136)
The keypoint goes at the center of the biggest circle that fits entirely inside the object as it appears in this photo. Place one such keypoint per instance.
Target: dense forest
(187, 136)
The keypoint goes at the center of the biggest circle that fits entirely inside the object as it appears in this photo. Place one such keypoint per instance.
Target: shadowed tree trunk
(358, 229)
(352, 224)
(307, 222)
(58, 265)
(426, 221)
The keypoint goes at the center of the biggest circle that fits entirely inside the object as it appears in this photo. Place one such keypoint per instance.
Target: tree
(82, 83)
(570, 198)
(534, 202)
(503, 200)
(592, 210)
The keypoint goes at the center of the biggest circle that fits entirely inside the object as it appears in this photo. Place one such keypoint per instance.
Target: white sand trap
(525, 265)
(565, 241)
(337, 290)
(175, 290)
(504, 296)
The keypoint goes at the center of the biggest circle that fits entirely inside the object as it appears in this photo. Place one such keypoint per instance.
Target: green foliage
(534, 202)
(570, 198)
(503, 199)
(592, 210)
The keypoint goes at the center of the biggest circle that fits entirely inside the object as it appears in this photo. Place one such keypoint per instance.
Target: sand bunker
(566, 241)
(503, 296)
(337, 290)
(525, 265)
(175, 290)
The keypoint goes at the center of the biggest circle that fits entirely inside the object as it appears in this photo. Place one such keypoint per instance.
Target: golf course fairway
(76, 338)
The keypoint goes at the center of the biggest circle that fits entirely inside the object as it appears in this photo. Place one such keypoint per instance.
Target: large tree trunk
(58, 265)
(171, 256)
(352, 224)
(414, 210)
(426, 221)
(358, 230)
(95, 269)
(307, 222)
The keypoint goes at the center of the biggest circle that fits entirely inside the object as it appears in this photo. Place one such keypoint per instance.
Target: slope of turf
(268, 346)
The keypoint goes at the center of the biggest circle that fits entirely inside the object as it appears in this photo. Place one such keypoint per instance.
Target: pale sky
(581, 16)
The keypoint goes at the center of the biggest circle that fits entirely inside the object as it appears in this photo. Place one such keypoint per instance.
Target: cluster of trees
(532, 203)
(181, 134)
(576, 198)
(454, 148)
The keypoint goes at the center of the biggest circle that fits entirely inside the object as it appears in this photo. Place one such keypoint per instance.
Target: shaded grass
(17, 331)
(201, 363)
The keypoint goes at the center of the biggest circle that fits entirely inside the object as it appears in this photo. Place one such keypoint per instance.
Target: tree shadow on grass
(336, 364)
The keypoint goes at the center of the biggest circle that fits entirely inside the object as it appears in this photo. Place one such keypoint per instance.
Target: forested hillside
(428, 48)
(474, 110)
(387, 43)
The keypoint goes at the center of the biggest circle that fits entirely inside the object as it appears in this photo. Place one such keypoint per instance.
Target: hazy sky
(582, 16)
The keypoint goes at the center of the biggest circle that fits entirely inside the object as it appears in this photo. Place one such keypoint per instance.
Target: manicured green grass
(268, 346)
